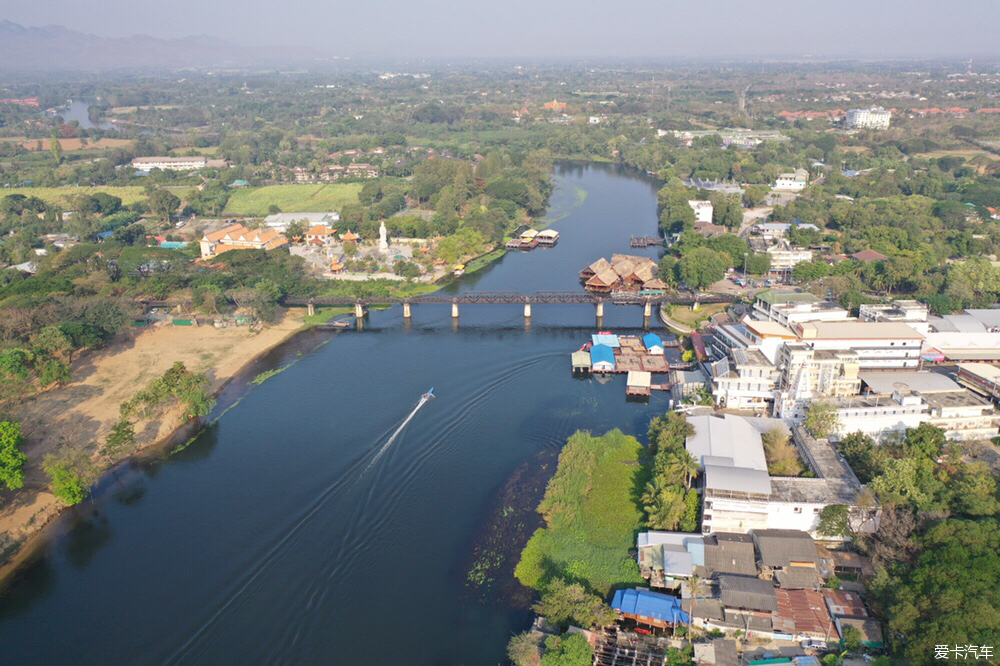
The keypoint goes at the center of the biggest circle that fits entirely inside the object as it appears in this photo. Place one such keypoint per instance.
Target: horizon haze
(436, 29)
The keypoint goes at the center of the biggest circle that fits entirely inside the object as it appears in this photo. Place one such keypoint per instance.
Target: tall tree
(12, 459)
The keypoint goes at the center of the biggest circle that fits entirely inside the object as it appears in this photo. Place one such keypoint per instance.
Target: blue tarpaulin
(653, 605)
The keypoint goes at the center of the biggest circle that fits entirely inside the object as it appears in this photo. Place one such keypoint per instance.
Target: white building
(875, 118)
(169, 163)
(808, 374)
(785, 257)
(879, 345)
(908, 311)
(794, 182)
(775, 230)
(280, 221)
(789, 307)
(740, 495)
(702, 210)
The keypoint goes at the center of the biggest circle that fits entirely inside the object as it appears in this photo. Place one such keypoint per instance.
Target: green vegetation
(71, 473)
(65, 197)
(668, 498)
(567, 650)
(176, 384)
(782, 457)
(267, 374)
(821, 419)
(292, 198)
(12, 459)
(590, 514)
(563, 604)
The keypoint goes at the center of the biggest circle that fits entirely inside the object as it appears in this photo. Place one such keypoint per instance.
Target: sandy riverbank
(81, 413)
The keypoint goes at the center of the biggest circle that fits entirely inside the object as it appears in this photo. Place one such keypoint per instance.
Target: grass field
(591, 516)
(293, 198)
(61, 196)
(70, 145)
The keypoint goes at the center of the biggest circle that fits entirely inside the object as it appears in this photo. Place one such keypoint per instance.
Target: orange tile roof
(222, 233)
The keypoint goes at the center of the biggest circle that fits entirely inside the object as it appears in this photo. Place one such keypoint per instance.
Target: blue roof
(105, 234)
(652, 340)
(658, 606)
(172, 245)
(609, 339)
(600, 353)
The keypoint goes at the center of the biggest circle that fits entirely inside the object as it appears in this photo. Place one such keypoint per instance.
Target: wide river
(297, 530)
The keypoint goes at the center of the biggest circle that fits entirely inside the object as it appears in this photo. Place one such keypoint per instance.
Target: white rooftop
(727, 436)
(921, 382)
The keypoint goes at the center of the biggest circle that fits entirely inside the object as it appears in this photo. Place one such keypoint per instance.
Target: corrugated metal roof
(799, 578)
(726, 436)
(640, 378)
(739, 479)
(652, 340)
(747, 592)
(730, 553)
(922, 382)
(602, 354)
(779, 548)
(609, 339)
(581, 358)
(658, 606)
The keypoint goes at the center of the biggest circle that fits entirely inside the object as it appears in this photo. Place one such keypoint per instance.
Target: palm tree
(697, 588)
(683, 465)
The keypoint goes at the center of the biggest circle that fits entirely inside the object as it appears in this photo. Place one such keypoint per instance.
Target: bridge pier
(359, 310)
(406, 310)
(454, 309)
(647, 314)
(600, 309)
(694, 306)
(527, 308)
(311, 309)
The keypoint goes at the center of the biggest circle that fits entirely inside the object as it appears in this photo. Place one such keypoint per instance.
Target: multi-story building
(238, 237)
(785, 257)
(795, 181)
(875, 118)
(808, 374)
(789, 307)
(702, 210)
(908, 311)
(169, 163)
(879, 345)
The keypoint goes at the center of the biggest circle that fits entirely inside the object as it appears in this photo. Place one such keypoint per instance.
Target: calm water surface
(294, 531)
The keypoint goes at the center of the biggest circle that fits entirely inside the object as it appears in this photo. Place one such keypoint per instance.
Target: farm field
(293, 198)
(69, 145)
(61, 196)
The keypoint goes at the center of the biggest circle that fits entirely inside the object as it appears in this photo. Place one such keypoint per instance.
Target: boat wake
(424, 399)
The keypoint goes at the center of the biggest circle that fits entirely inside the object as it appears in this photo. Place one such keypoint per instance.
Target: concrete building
(169, 163)
(776, 230)
(793, 182)
(238, 237)
(875, 118)
(738, 493)
(280, 221)
(899, 310)
(879, 345)
(702, 210)
(791, 307)
(900, 400)
(808, 374)
(785, 257)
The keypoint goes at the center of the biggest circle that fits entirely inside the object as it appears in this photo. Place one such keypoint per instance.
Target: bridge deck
(513, 297)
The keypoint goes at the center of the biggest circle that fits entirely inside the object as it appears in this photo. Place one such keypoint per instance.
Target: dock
(645, 241)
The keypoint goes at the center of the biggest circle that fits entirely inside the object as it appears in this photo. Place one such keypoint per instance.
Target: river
(294, 531)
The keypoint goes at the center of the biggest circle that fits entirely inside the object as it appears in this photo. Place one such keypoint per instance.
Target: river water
(294, 531)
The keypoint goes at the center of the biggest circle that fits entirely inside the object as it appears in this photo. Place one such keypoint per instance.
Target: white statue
(383, 243)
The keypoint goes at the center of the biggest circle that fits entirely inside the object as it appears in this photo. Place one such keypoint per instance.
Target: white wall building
(702, 210)
(875, 118)
(280, 221)
(794, 182)
(784, 257)
(788, 308)
(908, 311)
(169, 163)
(879, 345)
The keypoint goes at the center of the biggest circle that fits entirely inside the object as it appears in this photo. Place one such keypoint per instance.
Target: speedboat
(429, 395)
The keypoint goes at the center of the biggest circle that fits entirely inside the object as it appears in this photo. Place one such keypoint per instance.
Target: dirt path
(81, 413)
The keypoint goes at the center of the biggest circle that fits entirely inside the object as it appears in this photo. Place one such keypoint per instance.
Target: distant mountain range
(53, 48)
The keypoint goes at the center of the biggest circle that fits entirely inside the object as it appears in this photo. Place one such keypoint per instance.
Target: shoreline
(28, 539)
(44, 513)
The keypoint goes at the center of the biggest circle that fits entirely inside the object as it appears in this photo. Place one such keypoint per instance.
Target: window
(797, 509)
(708, 504)
(705, 518)
(816, 510)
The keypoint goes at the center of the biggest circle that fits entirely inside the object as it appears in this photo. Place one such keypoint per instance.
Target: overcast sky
(534, 28)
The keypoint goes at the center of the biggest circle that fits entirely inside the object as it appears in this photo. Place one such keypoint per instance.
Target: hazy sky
(530, 28)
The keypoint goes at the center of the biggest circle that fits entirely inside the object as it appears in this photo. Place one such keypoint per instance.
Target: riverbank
(81, 413)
